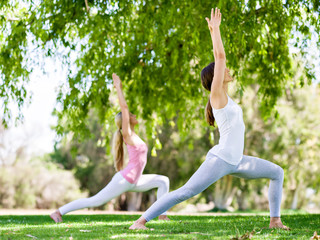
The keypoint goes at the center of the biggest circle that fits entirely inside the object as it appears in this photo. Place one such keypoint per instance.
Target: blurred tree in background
(32, 182)
(158, 48)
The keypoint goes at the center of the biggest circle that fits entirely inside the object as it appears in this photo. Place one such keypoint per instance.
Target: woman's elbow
(220, 56)
(124, 106)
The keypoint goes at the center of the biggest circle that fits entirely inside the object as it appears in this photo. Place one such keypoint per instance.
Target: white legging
(117, 186)
(214, 168)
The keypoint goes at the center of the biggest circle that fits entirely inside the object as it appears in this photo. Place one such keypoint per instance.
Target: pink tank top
(136, 164)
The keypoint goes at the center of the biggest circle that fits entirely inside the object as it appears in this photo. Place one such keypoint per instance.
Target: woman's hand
(116, 81)
(215, 20)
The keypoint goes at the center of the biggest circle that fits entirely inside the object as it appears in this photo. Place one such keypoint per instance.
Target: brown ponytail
(209, 114)
(207, 74)
(117, 144)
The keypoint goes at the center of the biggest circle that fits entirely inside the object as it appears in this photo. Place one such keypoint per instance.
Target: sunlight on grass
(181, 227)
(126, 235)
(118, 223)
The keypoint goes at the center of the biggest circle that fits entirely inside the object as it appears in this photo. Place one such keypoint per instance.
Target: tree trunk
(223, 192)
(133, 201)
(295, 199)
(241, 200)
(241, 194)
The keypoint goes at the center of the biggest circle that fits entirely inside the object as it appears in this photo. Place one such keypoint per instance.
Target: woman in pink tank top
(129, 178)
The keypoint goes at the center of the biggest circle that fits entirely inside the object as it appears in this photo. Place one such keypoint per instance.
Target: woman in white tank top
(226, 157)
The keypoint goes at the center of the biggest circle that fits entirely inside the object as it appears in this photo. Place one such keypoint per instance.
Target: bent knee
(162, 181)
(279, 173)
(165, 180)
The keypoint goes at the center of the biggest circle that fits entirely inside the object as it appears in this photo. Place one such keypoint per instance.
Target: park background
(58, 103)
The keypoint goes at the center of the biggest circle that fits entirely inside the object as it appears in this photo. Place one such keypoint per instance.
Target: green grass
(181, 227)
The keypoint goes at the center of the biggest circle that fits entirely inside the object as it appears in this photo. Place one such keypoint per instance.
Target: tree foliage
(157, 47)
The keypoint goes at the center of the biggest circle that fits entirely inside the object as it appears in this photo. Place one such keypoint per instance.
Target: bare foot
(275, 222)
(56, 216)
(139, 224)
(164, 217)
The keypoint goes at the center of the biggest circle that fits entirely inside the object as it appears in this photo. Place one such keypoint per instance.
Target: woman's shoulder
(135, 141)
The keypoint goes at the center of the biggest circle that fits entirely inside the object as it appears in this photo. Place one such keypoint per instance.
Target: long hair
(117, 144)
(209, 114)
(207, 74)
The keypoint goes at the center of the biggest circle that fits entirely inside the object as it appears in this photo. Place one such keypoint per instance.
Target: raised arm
(219, 55)
(126, 129)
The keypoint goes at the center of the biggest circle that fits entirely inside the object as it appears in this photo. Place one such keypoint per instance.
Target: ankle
(275, 219)
(58, 212)
(141, 220)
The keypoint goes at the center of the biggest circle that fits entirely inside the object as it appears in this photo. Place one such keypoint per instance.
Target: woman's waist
(231, 139)
(138, 156)
(230, 145)
(135, 165)
(231, 129)
(229, 154)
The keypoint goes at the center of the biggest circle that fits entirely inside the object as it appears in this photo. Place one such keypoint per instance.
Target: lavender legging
(117, 186)
(214, 168)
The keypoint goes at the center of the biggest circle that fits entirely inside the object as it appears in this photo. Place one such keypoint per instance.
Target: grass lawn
(181, 227)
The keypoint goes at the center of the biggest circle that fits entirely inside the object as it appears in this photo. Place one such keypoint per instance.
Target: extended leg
(210, 171)
(117, 186)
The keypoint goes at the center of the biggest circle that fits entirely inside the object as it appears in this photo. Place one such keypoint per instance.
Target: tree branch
(87, 6)
(12, 19)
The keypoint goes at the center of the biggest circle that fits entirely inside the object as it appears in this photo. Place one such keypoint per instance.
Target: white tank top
(231, 128)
